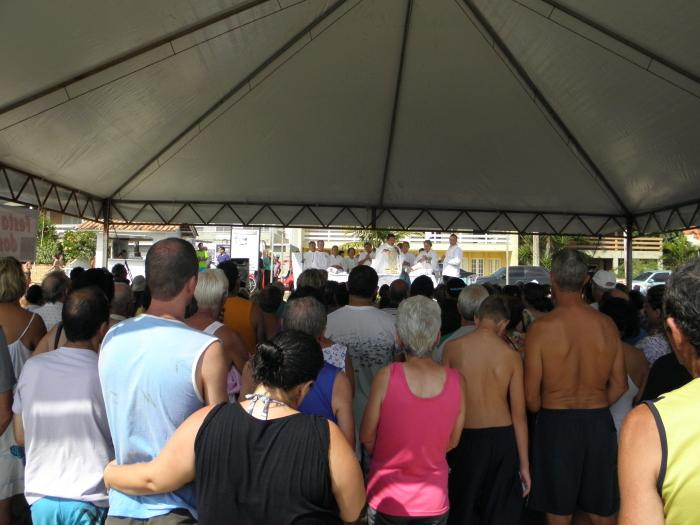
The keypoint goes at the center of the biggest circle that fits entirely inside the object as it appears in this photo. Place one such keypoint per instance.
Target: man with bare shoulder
(489, 469)
(660, 440)
(574, 371)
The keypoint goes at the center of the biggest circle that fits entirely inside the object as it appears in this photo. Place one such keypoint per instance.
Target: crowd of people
(173, 399)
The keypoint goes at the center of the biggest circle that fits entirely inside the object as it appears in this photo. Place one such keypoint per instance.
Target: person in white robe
(350, 260)
(315, 259)
(452, 262)
(367, 256)
(335, 260)
(386, 262)
(406, 258)
(322, 255)
(426, 262)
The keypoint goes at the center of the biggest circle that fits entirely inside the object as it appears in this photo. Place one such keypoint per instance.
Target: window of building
(478, 266)
(494, 265)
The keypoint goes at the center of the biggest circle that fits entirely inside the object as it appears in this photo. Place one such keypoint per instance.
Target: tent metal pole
(106, 205)
(397, 94)
(629, 237)
(519, 71)
(233, 91)
(245, 6)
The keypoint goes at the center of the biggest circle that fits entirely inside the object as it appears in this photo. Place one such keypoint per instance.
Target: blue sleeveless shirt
(147, 370)
(318, 401)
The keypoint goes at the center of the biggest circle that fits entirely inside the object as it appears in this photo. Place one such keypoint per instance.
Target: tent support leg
(629, 267)
(106, 204)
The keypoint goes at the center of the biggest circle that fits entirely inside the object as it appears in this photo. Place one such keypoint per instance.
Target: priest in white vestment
(452, 263)
(426, 262)
(386, 262)
(315, 259)
(350, 260)
(335, 260)
(367, 256)
(406, 258)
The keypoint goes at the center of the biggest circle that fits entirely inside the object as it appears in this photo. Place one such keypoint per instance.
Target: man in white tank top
(144, 357)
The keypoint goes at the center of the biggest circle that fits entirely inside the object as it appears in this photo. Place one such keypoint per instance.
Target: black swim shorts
(574, 462)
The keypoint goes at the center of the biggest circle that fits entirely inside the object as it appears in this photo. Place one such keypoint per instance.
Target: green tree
(677, 250)
(549, 245)
(47, 244)
(377, 236)
(79, 245)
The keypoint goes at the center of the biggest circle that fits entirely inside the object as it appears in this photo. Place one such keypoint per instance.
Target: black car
(517, 275)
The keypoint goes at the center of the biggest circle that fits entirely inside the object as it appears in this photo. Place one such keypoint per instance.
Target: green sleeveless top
(676, 415)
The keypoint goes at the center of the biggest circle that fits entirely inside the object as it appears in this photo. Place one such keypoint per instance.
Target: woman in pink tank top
(414, 415)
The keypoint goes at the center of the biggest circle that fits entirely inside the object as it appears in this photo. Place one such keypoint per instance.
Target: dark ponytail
(289, 359)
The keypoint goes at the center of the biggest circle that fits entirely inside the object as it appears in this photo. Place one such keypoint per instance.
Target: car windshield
(499, 273)
(642, 276)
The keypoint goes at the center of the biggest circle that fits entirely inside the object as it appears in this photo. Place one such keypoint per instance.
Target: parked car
(646, 280)
(467, 277)
(517, 275)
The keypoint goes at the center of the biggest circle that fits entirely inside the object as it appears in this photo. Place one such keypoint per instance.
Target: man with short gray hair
(574, 371)
(54, 287)
(331, 394)
(467, 304)
(122, 306)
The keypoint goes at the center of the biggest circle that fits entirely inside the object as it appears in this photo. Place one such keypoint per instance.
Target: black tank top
(253, 472)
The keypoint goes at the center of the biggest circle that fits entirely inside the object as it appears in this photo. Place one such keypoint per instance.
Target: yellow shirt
(676, 415)
(238, 317)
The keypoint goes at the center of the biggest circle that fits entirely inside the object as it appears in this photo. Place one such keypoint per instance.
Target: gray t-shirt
(7, 375)
(369, 334)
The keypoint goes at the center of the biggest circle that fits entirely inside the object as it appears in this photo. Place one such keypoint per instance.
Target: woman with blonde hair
(210, 295)
(23, 330)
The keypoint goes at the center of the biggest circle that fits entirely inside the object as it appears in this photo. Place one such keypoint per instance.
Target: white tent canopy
(567, 116)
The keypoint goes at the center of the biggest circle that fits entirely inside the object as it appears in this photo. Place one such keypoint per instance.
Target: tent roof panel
(555, 116)
(107, 134)
(314, 130)
(466, 123)
(668, 29)
(640, 130)
(57, 40)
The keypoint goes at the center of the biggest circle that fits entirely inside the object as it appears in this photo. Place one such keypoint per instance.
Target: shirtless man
(489, 469)
(574, 371)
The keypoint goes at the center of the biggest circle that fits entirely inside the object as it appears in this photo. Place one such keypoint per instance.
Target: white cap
(605, 279)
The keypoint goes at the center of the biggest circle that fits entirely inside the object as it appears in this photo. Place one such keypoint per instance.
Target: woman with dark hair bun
(260, 461)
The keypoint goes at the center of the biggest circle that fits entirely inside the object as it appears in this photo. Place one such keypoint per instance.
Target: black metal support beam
(679, 70)
(274, 56)
(397, 94)
(629, 239)
(106, 215)
(539, 97)
(228, 13)
(26, 188)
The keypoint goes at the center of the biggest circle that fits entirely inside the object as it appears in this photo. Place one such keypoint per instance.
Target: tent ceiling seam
(397, 94)
(653, 57)
(232, 92)
(519, 72)
(135, 53)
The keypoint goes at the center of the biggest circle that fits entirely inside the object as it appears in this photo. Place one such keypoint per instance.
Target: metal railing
(340, 237)
(617, 244)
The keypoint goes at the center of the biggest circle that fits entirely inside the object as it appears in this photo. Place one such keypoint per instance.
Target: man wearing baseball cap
(603, 281)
